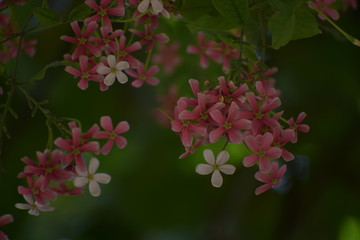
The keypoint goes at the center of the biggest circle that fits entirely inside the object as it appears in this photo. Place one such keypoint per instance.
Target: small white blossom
(157, 6)
(33, 206)
(215, 167)
(113, 71)
(92, 178)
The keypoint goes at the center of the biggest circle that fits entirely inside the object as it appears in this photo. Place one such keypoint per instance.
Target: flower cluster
(56, 170)
(328, 7)
(242, 114)
(221, 53)
(104, 53)
(10, 47)
(4, 220)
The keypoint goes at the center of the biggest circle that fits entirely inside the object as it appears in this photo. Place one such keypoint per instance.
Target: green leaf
(80, 12)
(282, 27)
(42, 72)
(46, 16)
(213, 23)
(236, 11)
(292, 20)
(306, 24)
(250, 53)
(194, 9)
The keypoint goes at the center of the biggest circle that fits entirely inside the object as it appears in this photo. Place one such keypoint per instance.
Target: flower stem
(165, 114)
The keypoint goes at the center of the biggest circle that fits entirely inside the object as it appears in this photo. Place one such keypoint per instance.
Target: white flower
(157, 6)
(215, 167)
(114, 70)
(34, 207)
(92, 178)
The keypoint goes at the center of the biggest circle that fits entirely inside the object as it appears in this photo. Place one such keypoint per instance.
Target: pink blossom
(37, 189)
(123, 52)
(144, 76)
(112, 134)
(87, 72)
(323, 6)
(185, 127)
(282, 137)
(107, 38)
(261, 146)
(148, 37)
(49, 166)
(103, 11)
(191, 149)
(114, 70)
(75, 147)
(167, 56)
(63, 189)
(271, 179)
(156, 5)
(297, 126)
(83, 40)
(203, 49)
(229, 125)
(4, 220)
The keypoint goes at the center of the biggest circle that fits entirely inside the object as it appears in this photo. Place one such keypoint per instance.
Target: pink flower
(215, 167)
(261, 145)
(167, 56)
(49, 166)
(191, 149)
(141, 75)
(282, 137)
(148, 37)
(65, 190)
(323, 6)
(185, 127)
(229, 125)
(113, 71)
(297, 126)
(203, 50)
(4, 220)
(87, 72)
(123, 52)
(34, 207)
(271, 179)
(103, 11)
(38, 189)
(82, 40)
(107, 38)
(92, 178)
(112, 134)
(75, 147)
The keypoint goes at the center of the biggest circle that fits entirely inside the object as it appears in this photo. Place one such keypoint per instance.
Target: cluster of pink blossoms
(63, 171)
(8, 25)
(243, 115)
(221, 53)
(104, 54)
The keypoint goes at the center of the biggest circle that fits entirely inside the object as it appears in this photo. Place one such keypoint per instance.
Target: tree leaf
(237, 11)
(306, 24)
(213, 23)
(193, 9)
(46, 16)
(282, 27)
(80, 12)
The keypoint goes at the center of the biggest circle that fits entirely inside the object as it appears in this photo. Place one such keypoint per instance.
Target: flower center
(82, 40)
(102, 12)
(259, 115)
(227, 125)
(261, 153)
(113, 70)
(204, 116)
(186, 123)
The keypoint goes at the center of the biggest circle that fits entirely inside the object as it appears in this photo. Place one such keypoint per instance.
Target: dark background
(155, 196)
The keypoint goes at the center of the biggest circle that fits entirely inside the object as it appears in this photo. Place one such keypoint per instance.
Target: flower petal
(102, 178)
(204, 169)
(216, 179)
(94, 188)
(227, 169)
(222, 157)
(80, 181)
(209, 156)
(121, 77)
(93, 165)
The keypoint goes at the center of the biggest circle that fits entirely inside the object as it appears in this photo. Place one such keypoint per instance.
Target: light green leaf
(46, 16)
(237, 11)
(80, 12)
(306, 24)
(282, 27)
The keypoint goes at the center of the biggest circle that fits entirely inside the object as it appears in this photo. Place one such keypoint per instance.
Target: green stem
(165, 114)
(346, 35)
(148, 58)
(225, 145)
